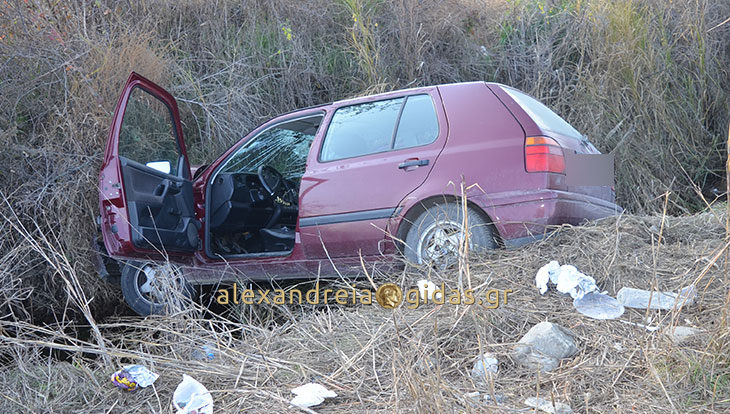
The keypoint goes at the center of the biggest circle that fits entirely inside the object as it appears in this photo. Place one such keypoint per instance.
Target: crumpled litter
(311, 394)
(132, 376)
(587, 299)
(191, 397)
(641, 299)
(566, 278)
(204, 353)
(426, 288)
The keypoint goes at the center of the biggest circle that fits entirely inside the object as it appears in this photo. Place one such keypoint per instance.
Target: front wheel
(152, 288)
(435, 238)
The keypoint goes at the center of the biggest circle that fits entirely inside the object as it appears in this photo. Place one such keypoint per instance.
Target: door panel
(341, 199)
(160, 208)
(145, 192)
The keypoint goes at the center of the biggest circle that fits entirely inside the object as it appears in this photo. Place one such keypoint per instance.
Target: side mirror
(161, 166)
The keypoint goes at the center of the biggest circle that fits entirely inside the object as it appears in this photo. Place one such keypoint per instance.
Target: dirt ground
(419, 360)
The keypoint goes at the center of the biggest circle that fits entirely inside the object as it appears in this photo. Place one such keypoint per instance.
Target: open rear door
(145, 188)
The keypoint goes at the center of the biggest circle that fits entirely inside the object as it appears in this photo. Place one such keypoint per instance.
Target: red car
(315, 189)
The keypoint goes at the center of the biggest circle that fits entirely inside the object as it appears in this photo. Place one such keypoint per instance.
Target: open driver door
(145, 187)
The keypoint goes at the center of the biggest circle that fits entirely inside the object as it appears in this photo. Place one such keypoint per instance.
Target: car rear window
(380, 126)
(542, 115)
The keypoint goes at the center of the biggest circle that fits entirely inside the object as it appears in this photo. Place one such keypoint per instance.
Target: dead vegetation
(646, 79)
(419, 360)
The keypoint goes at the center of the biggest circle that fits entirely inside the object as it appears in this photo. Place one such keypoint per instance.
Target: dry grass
(419, 360)
(644, 78)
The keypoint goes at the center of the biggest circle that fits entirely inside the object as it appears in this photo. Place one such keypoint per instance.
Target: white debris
(681, 334)
(311, 394)
(142, 376)
(598, 306)
(192, 397)
(547, 406)
(567, 279)
(545, 274)
(426, 289)
(641, 325)
(487, 364)
(642, 299)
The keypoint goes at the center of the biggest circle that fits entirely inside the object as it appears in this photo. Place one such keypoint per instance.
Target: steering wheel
(270, 179)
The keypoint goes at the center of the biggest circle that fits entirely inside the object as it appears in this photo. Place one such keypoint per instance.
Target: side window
(361, 129)
(148, 133)
(418, 123)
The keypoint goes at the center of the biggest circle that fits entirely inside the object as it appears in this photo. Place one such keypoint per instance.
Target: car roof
(360, 98)
(344, 102)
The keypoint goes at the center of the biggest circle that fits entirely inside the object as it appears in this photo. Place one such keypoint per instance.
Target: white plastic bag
(311, 394)
(191, 397)
(566, 278)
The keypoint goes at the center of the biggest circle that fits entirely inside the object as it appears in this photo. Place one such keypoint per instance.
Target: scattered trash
(680, 334)
(544, 345)
(547, 406)
(132, 376)
(640, 325)
(566, 278)
(191, 397)
(311, 394)
(599, 306)
(498, 398)
(426, 289)
(642, 299)
(545, 274)
(487, 363)
(583, 289)
(205, 352)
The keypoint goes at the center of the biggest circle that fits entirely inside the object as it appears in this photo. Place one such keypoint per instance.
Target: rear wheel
(435, 237)
(152, 288)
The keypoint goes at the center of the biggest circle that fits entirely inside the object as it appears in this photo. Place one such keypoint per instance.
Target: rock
(547, 406)
(487, 397)
(486, 364)
(498, 399)
(544, 346)
(681, 334)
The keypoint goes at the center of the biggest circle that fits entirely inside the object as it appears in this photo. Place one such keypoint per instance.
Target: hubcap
(440, 243)
(152, 281)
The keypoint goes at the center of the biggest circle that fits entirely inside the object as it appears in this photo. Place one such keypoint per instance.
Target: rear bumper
(521, 217)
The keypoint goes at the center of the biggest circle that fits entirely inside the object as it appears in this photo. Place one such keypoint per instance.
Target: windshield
(284, 147)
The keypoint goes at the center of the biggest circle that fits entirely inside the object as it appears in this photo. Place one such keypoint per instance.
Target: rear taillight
(543, 154)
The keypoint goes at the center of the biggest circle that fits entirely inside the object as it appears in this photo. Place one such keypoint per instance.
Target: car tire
(147, 299)
(434, 237)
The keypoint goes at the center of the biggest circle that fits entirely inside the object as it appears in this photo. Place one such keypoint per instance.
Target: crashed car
(405, 174)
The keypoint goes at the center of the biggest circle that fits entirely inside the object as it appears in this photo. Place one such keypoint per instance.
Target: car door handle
(412, 163)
